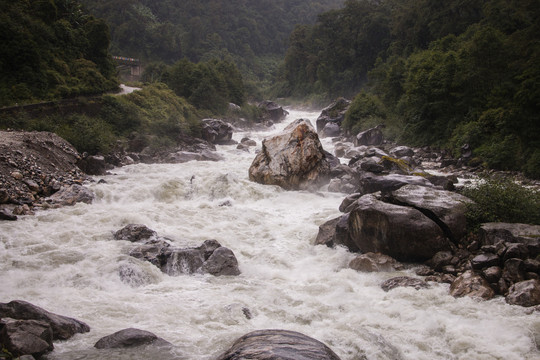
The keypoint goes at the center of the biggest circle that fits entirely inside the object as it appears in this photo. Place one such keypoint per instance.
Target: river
(66, 261)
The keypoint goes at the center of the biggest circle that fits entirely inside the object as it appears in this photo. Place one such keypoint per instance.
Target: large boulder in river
(273, 111)
(128, 338)
(370, 137)
(216, 131)
(63, 327)
(278, 345)
(26, 337)
(70, 195)
(369, 183)
(333, 114)
(294, 159)
(471, 284)
(529, 235)
(524, 293)
(401, 232)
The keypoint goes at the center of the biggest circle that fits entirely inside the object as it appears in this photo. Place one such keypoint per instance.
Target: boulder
(440, 260)
(333, 114)
(529, 235)
(94, 165)
(277, 345)
(135, 233)
(273, 111)
(128, 338)
(327, 233)
(404, 281)
(293, 159)
(26, 337)
(401, 232)
(471, 284)
(63, 327)
(341, 148)
(401, 151)
(185, 156)
(524, 293)
(331, 130)
(374, 262)
(216, 131)
(70, 195)
(221, 262)
(483, 261)
(446, 208)
(370, 183)
(5, 215)
(370, 137)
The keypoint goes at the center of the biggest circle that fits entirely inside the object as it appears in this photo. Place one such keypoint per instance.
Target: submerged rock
(293, 159)
(278, 345)
(128, 338)
(404, 281)
(374, 262)
(135, 233)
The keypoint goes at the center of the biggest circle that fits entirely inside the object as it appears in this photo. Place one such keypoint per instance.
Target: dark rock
(63, 327)
(94, 165)
(443, 182)
(341, 148)
(370, 165)
(26, 337)
(4, 215)
(185, 156)
(278, 345)
(374, 262)
(293, 159)
(370, 137)
(532, 265)
(331, 130)
(483, 261)
(348, 201)
(401, 151)
(130, 338)
(248, 142)
(514, 271)
(471, 284)
(221, 262)
(333, 114)
(398, 231)
(492, 274)
(404, 281)
(327, 233)
(524, 293)
(370, 183)
(135, 233)
(216, 131)
(273, 111)
(440, 260)
(70, 195)
(492, 233)
(516, 250)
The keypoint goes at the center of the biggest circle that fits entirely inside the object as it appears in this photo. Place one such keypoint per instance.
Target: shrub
(502, 200)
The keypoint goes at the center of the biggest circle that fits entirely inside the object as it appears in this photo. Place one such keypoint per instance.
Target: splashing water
(66, 261)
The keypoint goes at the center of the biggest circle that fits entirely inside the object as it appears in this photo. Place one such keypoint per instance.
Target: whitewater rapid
(66, 261)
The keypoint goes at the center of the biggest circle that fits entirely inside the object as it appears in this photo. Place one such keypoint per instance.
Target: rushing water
(66, 261)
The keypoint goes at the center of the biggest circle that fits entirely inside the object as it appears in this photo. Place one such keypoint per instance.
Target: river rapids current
(66, 261)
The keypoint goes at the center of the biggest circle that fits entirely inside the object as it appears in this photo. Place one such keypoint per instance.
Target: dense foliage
(251, 33)
(502, 200)
(52, 49)
(446, 72)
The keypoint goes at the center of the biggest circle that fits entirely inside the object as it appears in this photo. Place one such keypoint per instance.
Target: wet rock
(135, 233)
(483, 261)
(94, 165)
(516, 250)
(277, 344)
(471, 284)
(26, 337)
(293, 159)
(63, 327)
(370, 137)
(128, 338)
(440, 260)
(492, 274)
(374, 262)
(273, 111)
(401, 151)
(4, 215)
(446, 208)
(248, 142)
(524, 293)
(70, 195)
(333, 114)
(216, 131)
(370, 183)
(221, 262)
(404, 281)
(529, 235)
(185, 156)
(403, 233)
(341, 148)
(331, 130)
(348, 203)
(514, 271)
(371, 165)
(327, 233)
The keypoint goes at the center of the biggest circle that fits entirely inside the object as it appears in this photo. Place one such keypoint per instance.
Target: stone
(185, 156)
(216, 131)
(440, 260)
(371, 165)
(26, 337)
(524, 293)
(516, 250)
(492, 274)
(4, 215)
(483, 261)
(63, 327)
(331, 130)
(94, 165)
(135, 233)
(529, 235)
(70, 195)
(273, 111)
(341, 148)
(345, 205)
(248, 142)
(374, 262)
(277, 345)
(32, 185)
(370, 183)
(471, 284)
(333, 114)
(370, 137)
(128, 338)
(401, 232)
(446, 208)
(404, 281)
(221, 262)
(327, 233)
(514, 271)
(17, 175)
(294, 159)
(401, 151)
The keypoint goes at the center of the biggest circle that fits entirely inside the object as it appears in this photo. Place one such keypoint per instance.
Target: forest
(440, 73)
(436, 73)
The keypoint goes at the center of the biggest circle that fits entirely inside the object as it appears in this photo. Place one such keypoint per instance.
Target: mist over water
(66, 261)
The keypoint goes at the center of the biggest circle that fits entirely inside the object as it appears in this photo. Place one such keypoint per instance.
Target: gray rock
(404, 281)
(370, 137)
(374, 262)
(492, 233)
(440, 260)
(221, 262)
(278, 345)
(185, 156)
(471, 284)
(63, 327)
(331, 129)
(401, 151)
(26, 337)
(333, 113)
(293, 159)
(370, 183)
(524, 293)
(70, 195)
(273, 111)
(135, 233)
(128, 338)
(93, 165)
(483, 261)
(216, 131)
(492, 274)
(4, 215)
(327, 233)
